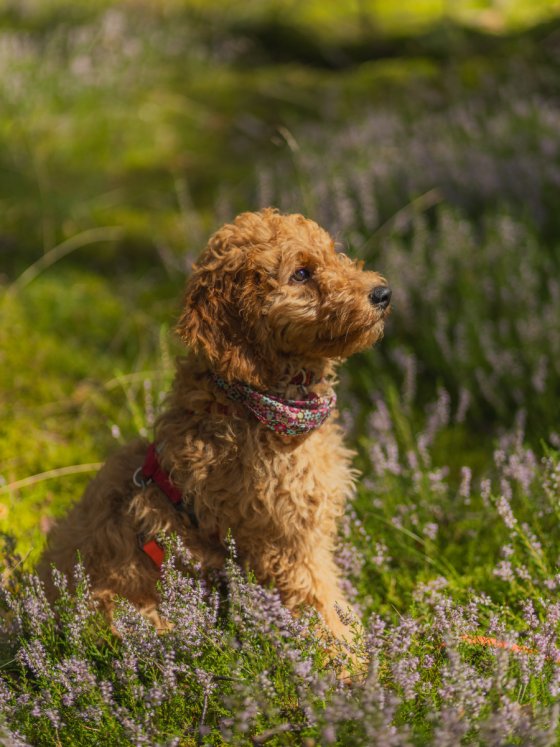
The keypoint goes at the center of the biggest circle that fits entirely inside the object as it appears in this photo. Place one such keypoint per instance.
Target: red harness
(152, 472)
(155, 552)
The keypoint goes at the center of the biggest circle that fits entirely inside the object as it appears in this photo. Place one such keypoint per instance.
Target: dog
(248, 442)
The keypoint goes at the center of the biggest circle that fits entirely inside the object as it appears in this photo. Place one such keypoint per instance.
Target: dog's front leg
(306, 576)
(326, 596)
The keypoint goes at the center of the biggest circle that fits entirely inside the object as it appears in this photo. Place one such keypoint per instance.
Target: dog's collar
(289, 417)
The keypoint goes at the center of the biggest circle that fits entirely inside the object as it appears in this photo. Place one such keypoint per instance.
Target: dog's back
(97, 530)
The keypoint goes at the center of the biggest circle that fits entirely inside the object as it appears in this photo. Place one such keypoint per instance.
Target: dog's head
(271, 287)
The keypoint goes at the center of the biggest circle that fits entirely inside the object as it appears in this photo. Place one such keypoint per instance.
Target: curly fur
(247, 319)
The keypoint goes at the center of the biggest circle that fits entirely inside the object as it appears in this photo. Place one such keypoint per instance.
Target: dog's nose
(381, 296)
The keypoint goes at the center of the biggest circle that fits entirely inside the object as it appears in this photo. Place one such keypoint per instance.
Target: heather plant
(451, 646)
(455, 201)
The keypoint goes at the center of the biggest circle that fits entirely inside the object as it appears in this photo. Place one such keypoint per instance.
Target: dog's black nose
(380, 296)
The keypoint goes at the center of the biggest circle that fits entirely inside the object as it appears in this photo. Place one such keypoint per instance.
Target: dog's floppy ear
(211, 323)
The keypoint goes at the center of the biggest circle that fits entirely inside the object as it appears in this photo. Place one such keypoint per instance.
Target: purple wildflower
(504, 509)
(465, 487)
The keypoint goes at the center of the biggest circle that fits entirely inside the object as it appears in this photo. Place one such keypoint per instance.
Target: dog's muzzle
(380, 296)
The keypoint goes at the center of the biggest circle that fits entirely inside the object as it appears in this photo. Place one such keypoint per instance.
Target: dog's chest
(292, 484)
(250, 480)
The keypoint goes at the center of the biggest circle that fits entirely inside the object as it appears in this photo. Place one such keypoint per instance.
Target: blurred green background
(424, 135)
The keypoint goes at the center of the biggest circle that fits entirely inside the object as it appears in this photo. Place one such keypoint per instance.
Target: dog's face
(272, 286)
(320, 303)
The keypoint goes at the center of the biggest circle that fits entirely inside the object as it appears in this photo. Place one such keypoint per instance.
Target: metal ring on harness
(140, 482)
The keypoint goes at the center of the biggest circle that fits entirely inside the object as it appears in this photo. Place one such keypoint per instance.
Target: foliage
(236, 667)
(454, 200)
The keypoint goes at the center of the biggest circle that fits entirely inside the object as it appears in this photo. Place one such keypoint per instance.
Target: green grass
(77, 350)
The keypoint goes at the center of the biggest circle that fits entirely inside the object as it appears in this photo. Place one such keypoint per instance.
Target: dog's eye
(301, 275)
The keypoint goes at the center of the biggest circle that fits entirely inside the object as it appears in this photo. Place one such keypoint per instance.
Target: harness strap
(155, 552)
(152, 472)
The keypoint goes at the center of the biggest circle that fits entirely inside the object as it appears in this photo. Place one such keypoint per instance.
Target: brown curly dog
(248, 442)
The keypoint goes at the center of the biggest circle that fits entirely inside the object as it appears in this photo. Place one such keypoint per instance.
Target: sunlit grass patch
(83, 366)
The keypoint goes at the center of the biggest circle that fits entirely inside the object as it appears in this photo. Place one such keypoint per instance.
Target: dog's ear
(214, 319)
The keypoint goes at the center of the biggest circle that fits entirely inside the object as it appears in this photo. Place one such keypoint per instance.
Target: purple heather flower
(428, 662)
(35, 657)
(375, 636)
(529, 614)
(75, 676)
(409, 365)
(381, 557)
(437, 480)
(430, 530)
(6, 698)
(485, 491)
(31, 607)
(554, 439)
(504, 509)
(402, 635)
(438, 416)
(465, 487)
(522, 573)
(406, 675)
(149, 411)
(9, 738)
(504, 571)
(554, 683)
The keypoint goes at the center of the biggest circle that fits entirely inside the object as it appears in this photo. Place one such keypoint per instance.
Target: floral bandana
(290, 417)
